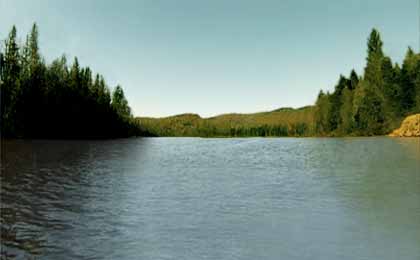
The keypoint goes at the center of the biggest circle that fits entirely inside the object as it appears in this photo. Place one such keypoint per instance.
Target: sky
(216, 56)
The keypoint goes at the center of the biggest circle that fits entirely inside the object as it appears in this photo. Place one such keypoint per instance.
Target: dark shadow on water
(43, 181)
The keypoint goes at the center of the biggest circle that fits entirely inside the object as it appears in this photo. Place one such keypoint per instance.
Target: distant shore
(285, 122)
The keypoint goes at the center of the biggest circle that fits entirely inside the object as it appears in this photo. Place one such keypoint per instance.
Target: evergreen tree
(34, 56)
(40, 101)
(417, 87)
(104, 93)
(371, 98)
(1, 64)
(75, 78)
(373, 73)
(120, 103)
(322, 110)
(346, 112)
(354, 80)
(391, 90)
(335, 101)
(368, 110)
(33, 103)
(10, 87)
(407, 81)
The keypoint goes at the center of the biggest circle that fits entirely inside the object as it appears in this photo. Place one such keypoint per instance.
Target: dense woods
(281, 122)
(375, 103)
(372, 104)
(61, 101)
(40, 100)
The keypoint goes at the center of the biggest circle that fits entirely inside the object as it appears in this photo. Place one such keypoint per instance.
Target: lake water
(192, 198)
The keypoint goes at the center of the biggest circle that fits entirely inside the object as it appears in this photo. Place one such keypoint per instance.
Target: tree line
(372, 104)
(40, 100)
(279, 123)
(55, 100)
(375, 103)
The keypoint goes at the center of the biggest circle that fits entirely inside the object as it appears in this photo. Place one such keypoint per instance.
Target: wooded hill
(283, 122)
(40, 100)
(372, 104)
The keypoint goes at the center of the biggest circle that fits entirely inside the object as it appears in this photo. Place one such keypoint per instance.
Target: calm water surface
(190, 198)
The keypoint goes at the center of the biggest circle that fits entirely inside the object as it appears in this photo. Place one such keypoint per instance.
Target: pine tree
(119, 103)
(373, 73)
(368, 110)
(417, 87)
(335, 101)
(104, 93)
(75, 78)
(391, 89)
(55, 101)
(10, 87)
(407, 81)
(34, 92)
(375, 45)
(322, 110)
(346, 112)
(34, 55)
(354, 80)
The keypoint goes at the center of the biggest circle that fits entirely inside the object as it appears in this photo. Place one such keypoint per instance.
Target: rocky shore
(410, 127)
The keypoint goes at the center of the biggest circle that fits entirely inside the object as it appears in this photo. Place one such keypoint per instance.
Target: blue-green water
(191, 198)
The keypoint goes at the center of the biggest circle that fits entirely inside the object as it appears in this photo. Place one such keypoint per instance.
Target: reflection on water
(187, 198)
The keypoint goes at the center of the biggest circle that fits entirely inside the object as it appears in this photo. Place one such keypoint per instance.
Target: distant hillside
(280, 122)
(374, 103)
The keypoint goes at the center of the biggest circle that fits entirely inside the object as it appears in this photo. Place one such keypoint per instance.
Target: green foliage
(322, 113)
(375, 103)
(417, 88)
(54, 101)
(369, 113)
(281, 122)
(346, 112)
(11, 85)
(336, 102)
(391, 88)
(120, 104)
(354, 80)
(374, 45)
(58, 101)
(408, 78)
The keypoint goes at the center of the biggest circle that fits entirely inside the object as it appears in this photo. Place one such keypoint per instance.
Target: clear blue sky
(216, 56)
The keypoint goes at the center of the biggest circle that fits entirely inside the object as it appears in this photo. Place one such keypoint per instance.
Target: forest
(55, 100)
(279, 123)
(376, 103)
(40, 100)
(372, 104)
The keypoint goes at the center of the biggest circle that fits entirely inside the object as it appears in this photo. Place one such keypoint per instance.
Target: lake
(193, 198)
